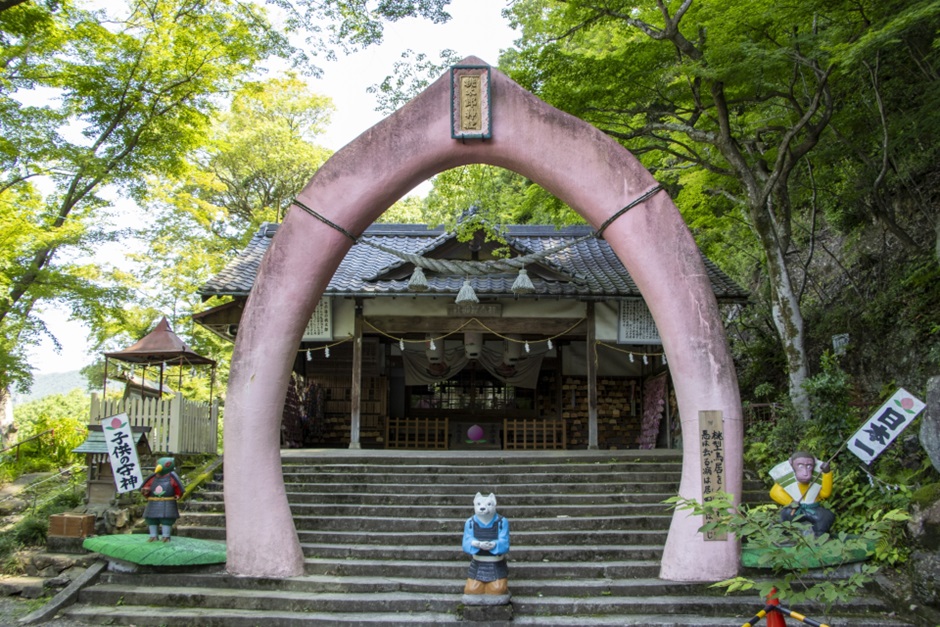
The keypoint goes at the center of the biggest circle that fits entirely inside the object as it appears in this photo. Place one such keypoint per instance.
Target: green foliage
(834, 420)
(411, 75)
(926, 495)
(889, 311)
(67, 415)
(783, 543)
(353, 24)
(31, 531)
(408, 210)
(856, 500)
(46, 497)
(857, 495)
(124, 93)
(260, 153)
(769, 443)
(784, 133)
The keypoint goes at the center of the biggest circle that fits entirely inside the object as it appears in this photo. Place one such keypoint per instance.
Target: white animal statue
(486, 539)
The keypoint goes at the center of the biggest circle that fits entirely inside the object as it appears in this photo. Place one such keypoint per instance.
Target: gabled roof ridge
(528, 250)
(437, 242)
(362, 269)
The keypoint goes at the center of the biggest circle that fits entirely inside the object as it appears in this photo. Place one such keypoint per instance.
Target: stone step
(381, 533)
(458, 499)
(453, 551)
(479, 481)
(753, 491)
(193, 617)
(451, 538)
(324, 583)
(468, 463)
(456, 570)
(656, 521)
(364, 495)
(409, 537)
(461, 501)
(519, 538)
(482, 458)
(457, 512)
(263, 603)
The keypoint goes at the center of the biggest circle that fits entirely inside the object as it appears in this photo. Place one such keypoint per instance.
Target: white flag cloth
(885, 425)
(123, 453)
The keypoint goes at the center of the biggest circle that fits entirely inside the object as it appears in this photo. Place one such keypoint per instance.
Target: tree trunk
(785, 307)
(937, 246)
(7, 427)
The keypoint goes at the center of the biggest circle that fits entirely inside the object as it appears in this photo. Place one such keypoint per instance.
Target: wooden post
(591, 378)
(176, 418)
(356, 394)
(213, 443)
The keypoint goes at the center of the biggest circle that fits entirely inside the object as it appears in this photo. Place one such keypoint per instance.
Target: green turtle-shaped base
(135, 549)
(828, 554)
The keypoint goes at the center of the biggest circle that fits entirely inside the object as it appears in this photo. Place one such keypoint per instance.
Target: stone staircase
(381, 532)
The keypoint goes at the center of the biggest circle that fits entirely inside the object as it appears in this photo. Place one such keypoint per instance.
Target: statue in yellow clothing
(800, 484)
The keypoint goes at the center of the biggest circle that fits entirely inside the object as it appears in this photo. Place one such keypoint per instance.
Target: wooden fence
(176, 425)
(533, 433)
(417, 433)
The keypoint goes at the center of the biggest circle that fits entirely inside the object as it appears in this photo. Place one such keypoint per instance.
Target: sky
(476, 28)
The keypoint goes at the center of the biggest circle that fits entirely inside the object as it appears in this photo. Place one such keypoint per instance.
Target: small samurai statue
(486, 539)
(800, 484)
(162, 489)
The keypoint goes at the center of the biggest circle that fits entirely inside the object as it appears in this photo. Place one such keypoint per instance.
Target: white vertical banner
(123, 453)
(885, 425)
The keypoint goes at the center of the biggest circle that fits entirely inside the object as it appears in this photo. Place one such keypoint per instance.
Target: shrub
(31, 531)
(760, 526)
(67, 414)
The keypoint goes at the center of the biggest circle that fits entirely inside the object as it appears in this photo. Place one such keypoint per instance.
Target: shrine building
(424, 341)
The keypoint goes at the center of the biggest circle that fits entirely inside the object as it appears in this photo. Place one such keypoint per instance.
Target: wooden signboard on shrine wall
(712, 439)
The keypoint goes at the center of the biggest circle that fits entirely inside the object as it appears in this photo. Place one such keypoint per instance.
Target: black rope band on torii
(326, 221)
(633, 203)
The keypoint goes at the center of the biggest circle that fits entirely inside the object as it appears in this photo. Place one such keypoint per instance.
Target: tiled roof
(588, 269)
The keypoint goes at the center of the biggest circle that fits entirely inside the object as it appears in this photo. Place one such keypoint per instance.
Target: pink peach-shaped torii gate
(568, 157)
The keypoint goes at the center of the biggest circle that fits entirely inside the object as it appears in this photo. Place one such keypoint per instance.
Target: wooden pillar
(356, 395)
(591, 353)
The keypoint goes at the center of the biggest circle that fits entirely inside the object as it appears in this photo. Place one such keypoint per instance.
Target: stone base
(487, 613)
(63, 544)
(486, 599)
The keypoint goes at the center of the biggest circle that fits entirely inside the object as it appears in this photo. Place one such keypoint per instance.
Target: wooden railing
(533, 433)
(417, 433)
(37, 437)
(755, 413)
(176, 425)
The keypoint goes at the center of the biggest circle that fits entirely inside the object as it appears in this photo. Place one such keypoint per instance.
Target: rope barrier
(464, 325)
